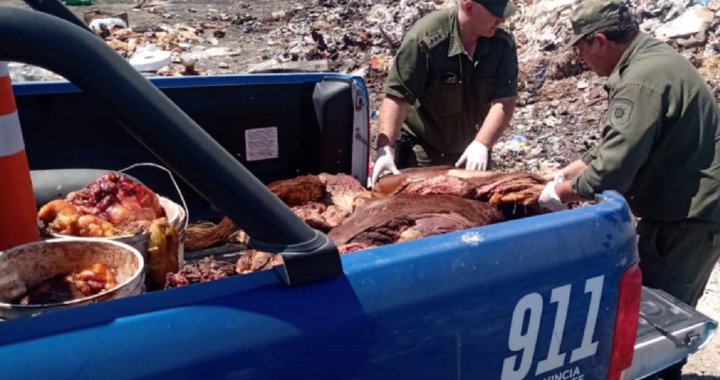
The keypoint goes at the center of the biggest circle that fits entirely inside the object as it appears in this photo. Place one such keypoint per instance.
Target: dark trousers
(678, 257)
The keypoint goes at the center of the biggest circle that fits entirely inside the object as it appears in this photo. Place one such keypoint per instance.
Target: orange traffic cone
(18, 210)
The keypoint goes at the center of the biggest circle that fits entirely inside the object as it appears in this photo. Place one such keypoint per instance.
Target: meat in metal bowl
(25, 268)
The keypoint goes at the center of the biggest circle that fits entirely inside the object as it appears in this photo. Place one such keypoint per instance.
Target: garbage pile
(183, 46)
(560, 101)
(352, 36)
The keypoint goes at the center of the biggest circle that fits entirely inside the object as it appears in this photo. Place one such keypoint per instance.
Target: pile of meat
(71, 286)
(209, 269)
(111, 205)
(417, 203)
(322, 201)
(421, 202)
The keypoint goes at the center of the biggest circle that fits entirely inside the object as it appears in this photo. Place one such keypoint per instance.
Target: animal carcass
(520, 188)
(403, 217)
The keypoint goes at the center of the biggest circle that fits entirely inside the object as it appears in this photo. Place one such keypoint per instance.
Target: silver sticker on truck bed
(261, 144)
(528, 312)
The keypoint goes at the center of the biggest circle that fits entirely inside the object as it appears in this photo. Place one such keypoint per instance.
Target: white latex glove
(385, 161)
(549, 198)
(559, 177)
(475, 157)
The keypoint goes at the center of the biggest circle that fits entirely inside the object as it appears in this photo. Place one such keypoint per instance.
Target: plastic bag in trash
(99, 23)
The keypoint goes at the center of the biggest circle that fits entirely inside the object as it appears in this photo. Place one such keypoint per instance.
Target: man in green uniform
(660, 148)
(454, 72)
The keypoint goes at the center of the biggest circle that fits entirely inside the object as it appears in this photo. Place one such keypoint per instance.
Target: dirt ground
(557, 120)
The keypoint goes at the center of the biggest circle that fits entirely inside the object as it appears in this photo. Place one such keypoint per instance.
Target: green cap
(499, 8)
(591, 15)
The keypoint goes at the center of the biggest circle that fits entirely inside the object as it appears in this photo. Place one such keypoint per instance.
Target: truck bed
(320, 121)
(533, 298)
(448, 306)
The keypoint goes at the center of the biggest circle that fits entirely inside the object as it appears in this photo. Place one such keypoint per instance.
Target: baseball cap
(591, 15)
(498, 8)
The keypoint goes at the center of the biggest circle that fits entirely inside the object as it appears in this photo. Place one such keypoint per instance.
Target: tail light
(626, 321)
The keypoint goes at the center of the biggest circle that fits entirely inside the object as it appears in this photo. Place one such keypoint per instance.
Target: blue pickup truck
(554, 297)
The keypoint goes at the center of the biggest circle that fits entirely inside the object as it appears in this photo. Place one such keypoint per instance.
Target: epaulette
(435, 38)
(505, 35)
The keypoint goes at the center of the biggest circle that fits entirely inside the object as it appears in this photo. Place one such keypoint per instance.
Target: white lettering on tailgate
(568, 374)
(527, 315)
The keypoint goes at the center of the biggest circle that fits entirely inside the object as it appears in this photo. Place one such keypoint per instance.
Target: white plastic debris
(150, 58)
(696, 20)
(98, 23)
(543, 23)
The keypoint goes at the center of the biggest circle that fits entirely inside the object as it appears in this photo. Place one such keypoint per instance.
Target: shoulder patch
(505, 35)
(620, 111)
(435, 38)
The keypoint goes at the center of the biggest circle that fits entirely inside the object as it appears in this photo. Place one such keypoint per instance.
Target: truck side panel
(484, 303)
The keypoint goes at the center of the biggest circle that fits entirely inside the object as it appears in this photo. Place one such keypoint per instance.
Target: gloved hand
(475, 157)
(385, 161)
(549, 198)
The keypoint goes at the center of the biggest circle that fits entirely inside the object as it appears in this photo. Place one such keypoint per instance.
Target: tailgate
(668, 331)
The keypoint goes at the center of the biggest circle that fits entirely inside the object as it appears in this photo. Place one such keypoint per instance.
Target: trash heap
(350, 36)
(560, 102)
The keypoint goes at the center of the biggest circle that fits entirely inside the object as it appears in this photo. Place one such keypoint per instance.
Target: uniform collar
(456, 47)
(625, 60)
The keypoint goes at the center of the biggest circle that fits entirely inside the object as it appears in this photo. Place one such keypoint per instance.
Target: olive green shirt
(450, 93)
(660, 145)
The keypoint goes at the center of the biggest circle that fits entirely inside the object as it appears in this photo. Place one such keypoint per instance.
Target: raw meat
(299, 190)
(322, 201)
(254, 261)
(404, 217)
(520, 188)
(394, 184)
(111, 205)
(71, 286)
(207, 269)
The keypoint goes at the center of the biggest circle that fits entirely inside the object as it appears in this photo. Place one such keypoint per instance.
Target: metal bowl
(27, 265)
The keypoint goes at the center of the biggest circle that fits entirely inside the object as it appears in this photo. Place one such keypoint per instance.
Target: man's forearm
(564, 190)
(566, 194)
(574, 168)
(392, 115)
(496, 121)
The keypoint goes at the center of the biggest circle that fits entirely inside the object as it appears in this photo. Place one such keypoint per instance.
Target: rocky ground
(560, 103)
